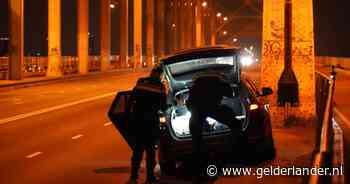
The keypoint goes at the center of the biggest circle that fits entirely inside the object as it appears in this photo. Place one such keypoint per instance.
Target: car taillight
(162, 120)
(253, 107)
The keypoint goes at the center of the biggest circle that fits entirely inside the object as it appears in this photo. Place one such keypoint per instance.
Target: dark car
(179, 71)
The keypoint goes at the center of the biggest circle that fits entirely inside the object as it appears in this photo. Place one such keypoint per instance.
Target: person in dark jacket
(204, 100)
(147, 99)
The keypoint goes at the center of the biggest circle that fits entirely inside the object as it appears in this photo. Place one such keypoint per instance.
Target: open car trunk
(232, 110)
(181, 72)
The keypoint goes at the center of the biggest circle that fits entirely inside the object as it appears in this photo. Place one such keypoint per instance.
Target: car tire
(167, 168)
(270, 152)
(261, 152)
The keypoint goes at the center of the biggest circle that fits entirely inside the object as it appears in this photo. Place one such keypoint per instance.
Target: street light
(218, 14)
(204, 4)
(225, 18)
(112, 5)
(235, 40)
(225, 32)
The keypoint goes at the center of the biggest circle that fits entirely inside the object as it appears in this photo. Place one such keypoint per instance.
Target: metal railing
(35, 66)
(70, 65)
(94, 63)
(3, 67)
(325, 136)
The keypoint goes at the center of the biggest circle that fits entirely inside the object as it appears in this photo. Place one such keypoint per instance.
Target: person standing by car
(147, 99)
(204, 99)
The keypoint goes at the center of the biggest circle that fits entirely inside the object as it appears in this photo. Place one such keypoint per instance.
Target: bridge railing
(324, 150)
(35, 66)
(3, 67)
(339, 62)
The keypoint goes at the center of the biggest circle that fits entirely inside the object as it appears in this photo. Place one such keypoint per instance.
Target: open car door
(121, 117)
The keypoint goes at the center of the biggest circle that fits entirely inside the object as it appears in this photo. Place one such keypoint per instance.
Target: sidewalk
(36, 81)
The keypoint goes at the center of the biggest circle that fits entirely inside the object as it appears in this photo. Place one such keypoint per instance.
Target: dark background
(332, 27)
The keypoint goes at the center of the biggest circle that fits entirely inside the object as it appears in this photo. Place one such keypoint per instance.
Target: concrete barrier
(341, 62)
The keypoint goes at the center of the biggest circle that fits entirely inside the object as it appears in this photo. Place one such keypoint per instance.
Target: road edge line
(54, 108)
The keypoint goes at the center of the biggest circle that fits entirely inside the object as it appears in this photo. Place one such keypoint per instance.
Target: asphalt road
(70, 144)
(59, 133)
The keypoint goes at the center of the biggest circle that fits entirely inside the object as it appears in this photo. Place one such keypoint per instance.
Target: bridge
(53, 125)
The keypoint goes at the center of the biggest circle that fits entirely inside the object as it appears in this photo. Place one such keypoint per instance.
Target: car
(250, 109)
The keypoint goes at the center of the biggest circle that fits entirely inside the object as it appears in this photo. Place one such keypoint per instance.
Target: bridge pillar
(182, 30)
(302, 56)
(212, 21)
(16, 47)
(199, 23)
(105, 26)
(172, 27)
(177, 35)
(192, 25)
(137, 33)
(188, 23)
(160, 30)
(55, 66)
(150, 32)
(83, 35)
(124, 36)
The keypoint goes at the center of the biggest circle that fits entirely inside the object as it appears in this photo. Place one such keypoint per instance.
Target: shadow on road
(112, 170)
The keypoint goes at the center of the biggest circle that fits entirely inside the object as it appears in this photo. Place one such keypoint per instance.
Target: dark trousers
(199, 153)
(197, 123)
(141, 147)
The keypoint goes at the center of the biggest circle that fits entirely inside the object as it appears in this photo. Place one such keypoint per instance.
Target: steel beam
(83, 35)
(54, 39)
(105, 27)
(137, 33)
(16, 32)
(124, 36)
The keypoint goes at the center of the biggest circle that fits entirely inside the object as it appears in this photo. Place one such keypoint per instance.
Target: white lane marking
(34, 154)
(54, 108)
(107, 124)
(77, 136)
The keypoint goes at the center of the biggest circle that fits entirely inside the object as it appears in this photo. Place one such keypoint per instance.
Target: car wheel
(168, 168)
(270, 152)
(261, 152)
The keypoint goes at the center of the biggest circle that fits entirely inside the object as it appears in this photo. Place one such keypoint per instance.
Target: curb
(338, 152)
(45, 81)
(338, 146)
(339, 68)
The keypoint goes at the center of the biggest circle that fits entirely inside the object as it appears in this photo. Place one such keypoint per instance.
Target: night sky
(332, 27)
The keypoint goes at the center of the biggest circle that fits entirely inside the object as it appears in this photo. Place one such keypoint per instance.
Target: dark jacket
(207, 93)
(147, 99)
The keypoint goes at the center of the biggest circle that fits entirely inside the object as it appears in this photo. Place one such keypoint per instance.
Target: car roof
(201, 52)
